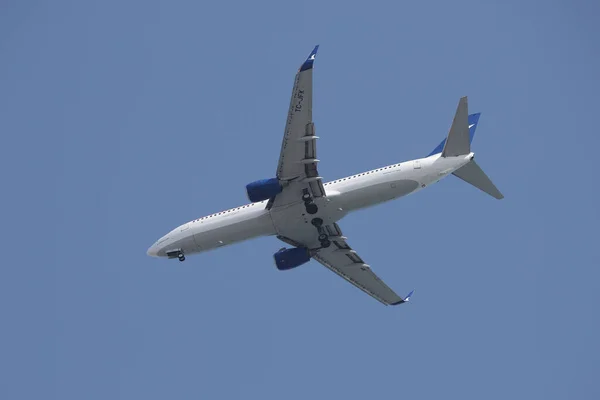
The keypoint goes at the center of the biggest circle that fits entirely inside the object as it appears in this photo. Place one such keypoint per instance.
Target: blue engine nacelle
(291, 258)
(263, 189)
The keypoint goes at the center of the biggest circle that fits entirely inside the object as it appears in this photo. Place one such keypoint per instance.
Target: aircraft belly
(293, 222)
(359, 197)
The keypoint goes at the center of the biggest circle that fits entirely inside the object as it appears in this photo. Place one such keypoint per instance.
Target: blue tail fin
(473, 120)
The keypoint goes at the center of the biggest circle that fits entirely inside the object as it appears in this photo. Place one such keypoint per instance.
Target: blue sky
(123, 119)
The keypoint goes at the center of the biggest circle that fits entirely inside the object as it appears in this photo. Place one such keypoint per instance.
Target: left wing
(297, 167)
(341, 259)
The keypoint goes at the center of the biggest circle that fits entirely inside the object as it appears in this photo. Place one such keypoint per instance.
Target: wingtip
(308, 64)
(474, 117)
(405, 300)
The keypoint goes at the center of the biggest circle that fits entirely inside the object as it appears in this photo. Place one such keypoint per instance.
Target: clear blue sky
(123, 119)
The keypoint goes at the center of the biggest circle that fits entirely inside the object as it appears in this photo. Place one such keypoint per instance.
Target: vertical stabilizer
(458, 142)
(473, 121)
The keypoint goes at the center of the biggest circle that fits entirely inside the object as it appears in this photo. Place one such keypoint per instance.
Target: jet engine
(263, 189)
(291, 258)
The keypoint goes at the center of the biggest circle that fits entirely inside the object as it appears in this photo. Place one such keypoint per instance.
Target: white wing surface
(344, 261)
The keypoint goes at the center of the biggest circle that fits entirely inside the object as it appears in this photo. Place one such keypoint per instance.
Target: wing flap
(345, 262)
(361, 276)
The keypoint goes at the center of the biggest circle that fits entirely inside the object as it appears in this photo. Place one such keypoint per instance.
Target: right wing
(341, 259)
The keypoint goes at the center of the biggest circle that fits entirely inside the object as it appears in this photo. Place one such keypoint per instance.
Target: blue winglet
(308, 64)
(406, 299)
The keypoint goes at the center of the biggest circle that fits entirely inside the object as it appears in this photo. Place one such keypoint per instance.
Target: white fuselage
(342, 196)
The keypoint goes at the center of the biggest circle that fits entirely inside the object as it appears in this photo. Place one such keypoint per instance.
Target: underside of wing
(344, 261)
(297, 166)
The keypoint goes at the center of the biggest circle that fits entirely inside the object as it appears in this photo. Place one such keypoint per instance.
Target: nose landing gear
(176, 253)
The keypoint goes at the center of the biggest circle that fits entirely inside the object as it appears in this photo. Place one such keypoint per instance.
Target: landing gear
(310, 206)
(317, 222)
(323, 238)
(177, 253)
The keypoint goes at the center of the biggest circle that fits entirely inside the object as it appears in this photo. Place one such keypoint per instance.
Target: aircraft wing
(341, 259)
(297, 167)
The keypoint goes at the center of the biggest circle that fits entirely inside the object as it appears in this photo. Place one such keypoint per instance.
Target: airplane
(301, 210)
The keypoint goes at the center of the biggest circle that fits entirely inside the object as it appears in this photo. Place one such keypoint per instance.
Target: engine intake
(263, 189)
(291, 258)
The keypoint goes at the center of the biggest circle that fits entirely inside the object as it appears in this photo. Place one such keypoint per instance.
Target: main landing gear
(323, 238)
(309, 204)
(180, 256)
(312, 209)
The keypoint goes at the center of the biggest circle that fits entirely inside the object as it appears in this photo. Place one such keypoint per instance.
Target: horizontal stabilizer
(473, 174)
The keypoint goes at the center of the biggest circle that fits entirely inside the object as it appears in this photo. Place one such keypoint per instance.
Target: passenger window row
(364, 173)
(328, 183)
(226, 211)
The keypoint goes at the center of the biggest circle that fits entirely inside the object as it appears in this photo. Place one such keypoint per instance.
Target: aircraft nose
(153, 251)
